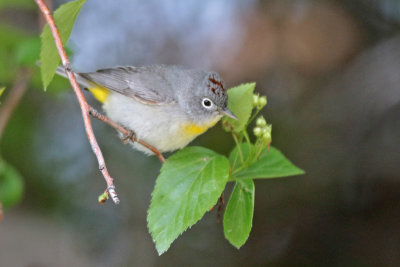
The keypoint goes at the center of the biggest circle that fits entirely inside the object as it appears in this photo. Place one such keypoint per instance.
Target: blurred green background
(330, 70)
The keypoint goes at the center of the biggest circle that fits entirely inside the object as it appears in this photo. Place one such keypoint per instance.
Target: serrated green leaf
(64, 17)
(241, 154)
(238, 217)
(11, 185)
(271, 164)
(27, 52)
(189, 184)
(240, 102)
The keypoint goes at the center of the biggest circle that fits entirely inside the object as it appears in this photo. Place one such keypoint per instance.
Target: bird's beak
(228, 113)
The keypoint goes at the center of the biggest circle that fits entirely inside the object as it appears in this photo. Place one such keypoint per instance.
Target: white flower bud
(265, 130)
(257, 131)
(255, 100)
(262, 101)
(261, 121)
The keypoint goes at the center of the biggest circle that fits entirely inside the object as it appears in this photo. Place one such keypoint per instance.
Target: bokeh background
(330, 70)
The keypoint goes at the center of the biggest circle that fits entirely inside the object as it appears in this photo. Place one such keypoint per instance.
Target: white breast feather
(159, 125)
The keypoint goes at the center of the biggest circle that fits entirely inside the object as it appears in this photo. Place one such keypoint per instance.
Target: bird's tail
(81, 80)
(99, 92)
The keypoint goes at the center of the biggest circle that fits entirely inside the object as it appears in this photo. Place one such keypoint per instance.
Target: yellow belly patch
(100, 93)
(196, 129)
(193, 129)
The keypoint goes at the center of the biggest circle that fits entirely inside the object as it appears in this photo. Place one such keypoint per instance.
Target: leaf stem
(246, 136)
(252, 117)
(238, 146)
(243, 166)
(261, 145)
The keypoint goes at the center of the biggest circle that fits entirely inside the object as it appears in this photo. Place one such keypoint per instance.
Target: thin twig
(81, 99)
(14, 96)
(221, 207)
(42, 19)
(125, 132)
(88, 110)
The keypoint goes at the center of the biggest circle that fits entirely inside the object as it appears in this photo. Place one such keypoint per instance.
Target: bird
(166, 106)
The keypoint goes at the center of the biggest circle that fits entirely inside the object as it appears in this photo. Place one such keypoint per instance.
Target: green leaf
(27, 52)
(64, 17)
(11, 185)
(271, 164)
(240, 102)
(2, 89)
(238, 215)
(189, 184)
(242, 154)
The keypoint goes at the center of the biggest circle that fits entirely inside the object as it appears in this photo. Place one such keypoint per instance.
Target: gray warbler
(165, 106)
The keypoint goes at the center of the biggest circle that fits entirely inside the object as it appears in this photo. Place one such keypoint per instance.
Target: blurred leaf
(10, 36)
(238, 217)
(240, 102)
(27, 52)
(26, 4)
(2, 89)
(11, 186)
(64, 17)
(189, 184)
(8, 67)
(242, 152)
(271, 164)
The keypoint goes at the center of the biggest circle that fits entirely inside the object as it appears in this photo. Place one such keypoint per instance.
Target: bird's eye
(207, 103)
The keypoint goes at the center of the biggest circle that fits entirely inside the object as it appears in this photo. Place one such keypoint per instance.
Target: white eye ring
(207, 103)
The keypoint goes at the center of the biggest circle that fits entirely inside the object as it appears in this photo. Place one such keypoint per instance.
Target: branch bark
(81, 99)
(14, 96)
(88, 110)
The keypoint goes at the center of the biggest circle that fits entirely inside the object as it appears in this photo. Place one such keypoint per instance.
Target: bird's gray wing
(145, 84)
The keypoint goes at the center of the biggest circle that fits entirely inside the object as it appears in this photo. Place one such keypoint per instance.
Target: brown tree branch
(81, 99)
(88, 110)
(14, 96)
(42, 19)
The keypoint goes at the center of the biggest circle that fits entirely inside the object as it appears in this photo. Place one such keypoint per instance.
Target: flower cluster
(262, 130)
(259, 101)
